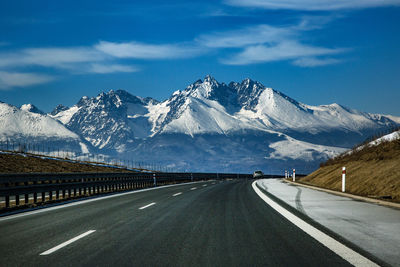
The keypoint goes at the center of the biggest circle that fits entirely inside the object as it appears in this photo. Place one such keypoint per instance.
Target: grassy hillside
(372, 171)
(16, 163)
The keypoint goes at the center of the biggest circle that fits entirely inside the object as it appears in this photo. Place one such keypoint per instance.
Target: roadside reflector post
(154, 180)
(343, 179)
(294, 175)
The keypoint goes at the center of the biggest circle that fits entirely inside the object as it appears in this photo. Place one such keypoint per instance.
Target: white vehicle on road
(258, 174)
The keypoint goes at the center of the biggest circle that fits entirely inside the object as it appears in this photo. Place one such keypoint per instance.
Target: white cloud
(259, 34)
(51, 57)
(147, 51)
(248, 45)
(9, 80)
(312, 4)
(315, 62)
(285, 50)
(112, 68)
(266, 43)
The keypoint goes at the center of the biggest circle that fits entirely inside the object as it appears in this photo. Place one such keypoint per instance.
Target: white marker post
(154, 180)
(343, 179)
(285, 174)
(294, 175)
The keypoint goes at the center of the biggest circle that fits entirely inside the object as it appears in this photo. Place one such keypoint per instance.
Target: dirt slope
(373, 171)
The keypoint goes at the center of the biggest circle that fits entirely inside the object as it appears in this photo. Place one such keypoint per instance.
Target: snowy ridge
(24, 126)
(386, 138)
(14, 121)
(31, 108)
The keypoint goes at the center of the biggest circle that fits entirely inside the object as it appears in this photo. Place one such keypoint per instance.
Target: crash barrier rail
(39, 188)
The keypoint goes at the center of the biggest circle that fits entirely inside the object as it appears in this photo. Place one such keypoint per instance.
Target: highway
(210, 223)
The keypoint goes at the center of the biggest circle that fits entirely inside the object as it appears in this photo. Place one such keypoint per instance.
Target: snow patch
(65, 116)
(84, 148)
(295, 149)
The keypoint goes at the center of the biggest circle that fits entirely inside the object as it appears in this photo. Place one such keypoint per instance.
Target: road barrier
(50, 187)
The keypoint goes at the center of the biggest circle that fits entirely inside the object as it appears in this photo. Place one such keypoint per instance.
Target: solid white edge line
(177, 194)
(343, 251)
(193, 188)
(148, 205)
(66, 243)
(79, 202)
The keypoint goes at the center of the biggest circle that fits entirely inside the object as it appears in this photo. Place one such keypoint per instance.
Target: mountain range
(208, 126)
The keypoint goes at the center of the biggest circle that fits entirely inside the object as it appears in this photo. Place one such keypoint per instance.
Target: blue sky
(316, 51)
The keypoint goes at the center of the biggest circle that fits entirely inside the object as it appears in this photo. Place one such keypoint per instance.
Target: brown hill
(373, 171)
(17, 163)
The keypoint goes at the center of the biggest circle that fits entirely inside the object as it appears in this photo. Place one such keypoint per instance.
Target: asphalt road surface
(203, 224)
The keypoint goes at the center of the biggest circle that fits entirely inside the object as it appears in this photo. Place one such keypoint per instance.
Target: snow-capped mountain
(210, 125)
(111, 120)
(29, 125)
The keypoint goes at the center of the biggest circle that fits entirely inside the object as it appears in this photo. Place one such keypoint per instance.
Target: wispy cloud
(148, 51)
(9, 80)
(252, 35)
(312, 4)
(50, 57)
(101, 58)
(267, 43)
(314, 62)
(103, 68)
(285, 50)
(247, 45)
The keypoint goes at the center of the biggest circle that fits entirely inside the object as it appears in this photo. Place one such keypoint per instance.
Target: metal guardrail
(50, 187)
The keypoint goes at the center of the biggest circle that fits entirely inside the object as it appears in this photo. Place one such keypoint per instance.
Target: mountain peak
(58, 109)
(31, 108)
(209, 79)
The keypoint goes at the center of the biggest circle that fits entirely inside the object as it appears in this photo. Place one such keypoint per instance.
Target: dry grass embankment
(15, 163)
(373, 171)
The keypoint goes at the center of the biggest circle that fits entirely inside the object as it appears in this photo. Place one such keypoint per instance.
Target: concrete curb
(366, 199)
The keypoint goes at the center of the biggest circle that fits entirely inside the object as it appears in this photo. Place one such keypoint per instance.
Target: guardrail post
(343, 179)
(26, 198)
(35, 197)
(17, 200)
(43, 196)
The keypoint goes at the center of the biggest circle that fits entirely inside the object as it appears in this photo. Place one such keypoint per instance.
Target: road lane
(221, 224)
